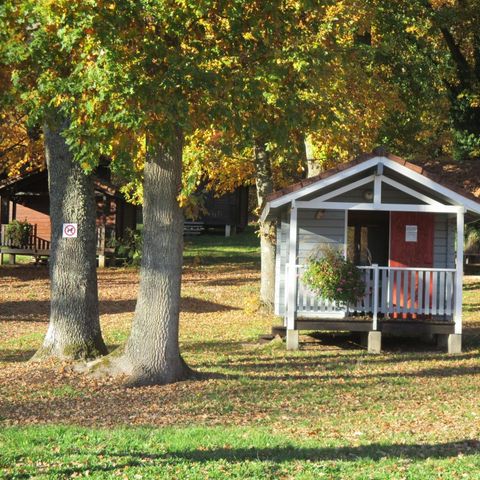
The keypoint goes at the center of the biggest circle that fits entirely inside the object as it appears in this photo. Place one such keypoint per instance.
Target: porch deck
(38, 248)
(388, 326)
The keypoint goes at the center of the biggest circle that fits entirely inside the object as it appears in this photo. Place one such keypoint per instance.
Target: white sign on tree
(70, 230)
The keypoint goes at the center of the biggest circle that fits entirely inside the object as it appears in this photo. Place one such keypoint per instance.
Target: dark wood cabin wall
(228, 209)
(130, 217)
(243, 207)
(35, 216)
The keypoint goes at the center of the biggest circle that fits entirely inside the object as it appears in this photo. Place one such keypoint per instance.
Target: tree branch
(463, 68)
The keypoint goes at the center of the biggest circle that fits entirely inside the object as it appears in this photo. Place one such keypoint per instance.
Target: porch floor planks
(407, 327)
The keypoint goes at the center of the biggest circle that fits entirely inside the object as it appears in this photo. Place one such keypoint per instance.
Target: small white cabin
(399, 225)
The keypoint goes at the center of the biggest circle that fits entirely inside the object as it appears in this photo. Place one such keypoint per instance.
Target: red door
(411, 239)
(411, 245)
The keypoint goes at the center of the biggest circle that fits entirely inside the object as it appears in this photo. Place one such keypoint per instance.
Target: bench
(193, 228)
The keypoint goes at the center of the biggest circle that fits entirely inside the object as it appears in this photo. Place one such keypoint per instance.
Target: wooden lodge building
(399, 225)
(26, 198)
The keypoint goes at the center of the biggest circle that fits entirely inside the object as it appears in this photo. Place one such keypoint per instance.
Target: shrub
(17, 233)
(472, 240)
(332, 277)
(129, 246)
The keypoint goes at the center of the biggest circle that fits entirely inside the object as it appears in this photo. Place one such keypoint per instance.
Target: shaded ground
(329, 410)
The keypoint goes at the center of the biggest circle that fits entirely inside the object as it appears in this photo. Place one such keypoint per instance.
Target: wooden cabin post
(455, 339)
(4, 210)
(101, 246)
(291, 281)
(230, 230)
(376, 287)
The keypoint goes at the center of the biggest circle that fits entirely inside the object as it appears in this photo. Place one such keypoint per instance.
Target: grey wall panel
(284, 228)
(327, 230)
(393, 195)
(389, 195)
(444, 241)
(312, 233)
(357, 195)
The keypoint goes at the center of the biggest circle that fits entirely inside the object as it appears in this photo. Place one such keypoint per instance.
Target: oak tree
(42, 50)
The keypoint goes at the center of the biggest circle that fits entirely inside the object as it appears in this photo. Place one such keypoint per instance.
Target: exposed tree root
(70, 351)
(118, 363)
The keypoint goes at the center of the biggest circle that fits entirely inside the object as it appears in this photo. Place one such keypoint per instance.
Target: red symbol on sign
(70, 230)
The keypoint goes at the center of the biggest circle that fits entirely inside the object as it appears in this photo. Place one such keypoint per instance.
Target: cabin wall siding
(389, 195)
(35, 217)
(354, 196)
(317, 233)
(393, 195)
(283, 230)
(444, 241)
(312, 234)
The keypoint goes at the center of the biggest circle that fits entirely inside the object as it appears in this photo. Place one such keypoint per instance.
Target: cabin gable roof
(399, 172)
(39, 178)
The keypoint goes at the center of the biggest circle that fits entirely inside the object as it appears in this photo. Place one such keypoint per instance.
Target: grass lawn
(327, 411)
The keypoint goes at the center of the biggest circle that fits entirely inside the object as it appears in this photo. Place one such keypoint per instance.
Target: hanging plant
(334, 278)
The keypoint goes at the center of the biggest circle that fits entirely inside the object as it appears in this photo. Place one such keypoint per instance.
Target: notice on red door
(69, 230)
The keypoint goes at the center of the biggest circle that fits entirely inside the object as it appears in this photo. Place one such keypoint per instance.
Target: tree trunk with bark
(264, 184)
(152, 354)
(74, 329)
(313, 167)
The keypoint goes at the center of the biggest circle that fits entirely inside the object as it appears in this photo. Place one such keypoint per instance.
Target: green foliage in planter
(332, 277)
(129, 247)
(17, 233)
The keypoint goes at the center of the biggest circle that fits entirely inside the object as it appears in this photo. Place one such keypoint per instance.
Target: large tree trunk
(74, 329)
(267, 229)
(152, 354)
(313, 167)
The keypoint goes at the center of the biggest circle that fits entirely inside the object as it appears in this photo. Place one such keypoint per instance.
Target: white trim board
(389, 207)
(325, 182)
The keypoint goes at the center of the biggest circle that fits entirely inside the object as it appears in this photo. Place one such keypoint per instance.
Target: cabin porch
(397, 300)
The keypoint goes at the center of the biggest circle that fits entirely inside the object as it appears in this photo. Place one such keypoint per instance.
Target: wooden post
(285, 295)
(4, 210)
(377, 190)
(291, 282)
(101, 246)
(459, 273)
(375, 296)
(278, 261)
(228, 230)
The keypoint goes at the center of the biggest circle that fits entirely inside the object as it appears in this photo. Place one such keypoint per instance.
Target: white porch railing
(394, 292)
